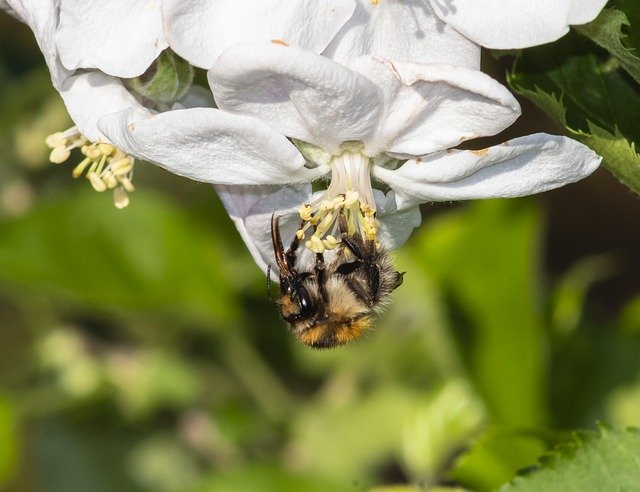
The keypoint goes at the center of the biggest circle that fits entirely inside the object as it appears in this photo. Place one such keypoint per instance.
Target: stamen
(104, 166)
(349, 194)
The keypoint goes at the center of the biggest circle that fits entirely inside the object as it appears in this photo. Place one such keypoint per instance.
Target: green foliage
(496, 456)
(606, 32)
(491, 247)
(152, 256)
(588, 94)
(605, 460)
(270, 479)
(8, 439)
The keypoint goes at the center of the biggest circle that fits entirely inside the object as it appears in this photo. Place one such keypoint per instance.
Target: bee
(328, 305)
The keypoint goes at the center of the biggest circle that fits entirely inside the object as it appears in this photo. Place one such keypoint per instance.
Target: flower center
(104, 166)
(349, 195)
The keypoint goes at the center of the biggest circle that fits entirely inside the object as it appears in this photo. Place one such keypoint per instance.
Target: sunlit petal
(210, 145)
(402, 30)
(515, 23)
(200, 30)
(519, 167)
(303, 95)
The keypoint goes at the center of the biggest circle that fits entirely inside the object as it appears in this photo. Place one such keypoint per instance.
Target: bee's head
(296, 304)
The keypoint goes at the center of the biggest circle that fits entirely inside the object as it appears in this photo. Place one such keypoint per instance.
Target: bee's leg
(293, 247)
(320, 276)
(353, 242)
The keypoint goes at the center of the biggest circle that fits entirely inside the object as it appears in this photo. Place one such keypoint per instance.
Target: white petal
(251, 207)
(583, 11)
(6, 8)
(42, 17)
(303, 95)
(401, 30)
(395, 225)
(200, 30)
(519, 167)
(92, 95)
(118, 37)
(210, 145)
(515, 23)
(433, 107)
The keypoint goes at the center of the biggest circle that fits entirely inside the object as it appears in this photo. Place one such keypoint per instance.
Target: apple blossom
(119, 37)
(512, 24)
(412, 30)
(402, 30)
(374, 121)
(381, 127)
(200, 30)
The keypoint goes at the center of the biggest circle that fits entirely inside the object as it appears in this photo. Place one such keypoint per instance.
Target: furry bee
(333, 304)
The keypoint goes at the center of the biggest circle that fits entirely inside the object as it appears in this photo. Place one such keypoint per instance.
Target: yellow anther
(300, 234)
(120, 197)
(105, 166)
(128, 185)
(326, 205)
(110, 180)
(59, 154)
(106, 149)
(96, 182)
(91, 151)
(315, 244)
(326, 223)
(367, 210)
(305, 212)
(122, 166)
(56, 140)
(351, 198)
(330, 242)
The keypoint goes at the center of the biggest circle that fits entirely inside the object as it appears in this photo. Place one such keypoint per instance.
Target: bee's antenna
(269, 282)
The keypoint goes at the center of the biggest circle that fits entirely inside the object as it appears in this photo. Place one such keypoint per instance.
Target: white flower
(505, 24)
(394, 122)
(117, 37)
(87, 96)
(412, 30)
(402, 30)
(200, 30)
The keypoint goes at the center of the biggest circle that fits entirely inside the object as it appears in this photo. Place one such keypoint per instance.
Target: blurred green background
(139, 350)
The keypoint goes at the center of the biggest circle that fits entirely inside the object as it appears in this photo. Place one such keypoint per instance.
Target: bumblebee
(331, 304)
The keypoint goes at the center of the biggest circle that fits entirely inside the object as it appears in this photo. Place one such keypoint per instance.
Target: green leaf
(150, 256)
(485, 260)
(619, 154)
(269, 478)
(415, 488)
(495, 457)
(586, 96)
(365, 431)
(8, 440)
(608, 459)
(606, 32)
(569, 298)
(68, 455)
(631, 9)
